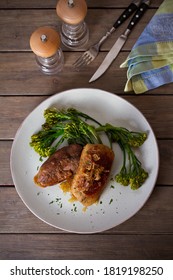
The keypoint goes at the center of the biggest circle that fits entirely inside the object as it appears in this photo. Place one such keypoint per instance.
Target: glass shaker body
(51, 65)
(74, 31)
(74, 36)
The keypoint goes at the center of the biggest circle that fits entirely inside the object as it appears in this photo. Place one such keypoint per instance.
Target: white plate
(117, 203)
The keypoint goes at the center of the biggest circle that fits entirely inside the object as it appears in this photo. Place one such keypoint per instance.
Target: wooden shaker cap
(74, 14)
(45, 41)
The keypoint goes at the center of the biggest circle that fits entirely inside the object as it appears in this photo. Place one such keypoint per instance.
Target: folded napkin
(150, 63)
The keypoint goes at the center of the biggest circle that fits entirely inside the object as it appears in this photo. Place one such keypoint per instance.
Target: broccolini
(63, 125)
(71, 125)
(131, 172)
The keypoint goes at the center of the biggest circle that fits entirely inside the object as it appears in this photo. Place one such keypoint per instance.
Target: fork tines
(83, 60)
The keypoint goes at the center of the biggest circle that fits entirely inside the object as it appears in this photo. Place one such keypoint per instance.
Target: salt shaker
(74, 31)
(45, 43)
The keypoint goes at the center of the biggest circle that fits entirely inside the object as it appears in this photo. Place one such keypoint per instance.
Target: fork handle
(127, 13)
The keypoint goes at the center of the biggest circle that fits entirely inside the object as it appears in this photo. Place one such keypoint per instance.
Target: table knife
(120, 41)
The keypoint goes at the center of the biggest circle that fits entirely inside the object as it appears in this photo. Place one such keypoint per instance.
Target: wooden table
(148, 234)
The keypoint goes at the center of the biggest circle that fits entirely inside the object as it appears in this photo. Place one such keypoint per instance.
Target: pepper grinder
(45, 43)
(74, 31)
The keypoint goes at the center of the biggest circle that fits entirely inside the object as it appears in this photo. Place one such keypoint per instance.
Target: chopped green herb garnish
(111, 201)
(51, 202)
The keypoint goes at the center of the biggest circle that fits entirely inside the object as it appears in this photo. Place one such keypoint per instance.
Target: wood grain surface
(149, 233)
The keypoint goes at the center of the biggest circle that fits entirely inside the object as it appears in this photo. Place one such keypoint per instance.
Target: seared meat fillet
(59, 166)
(92, 174)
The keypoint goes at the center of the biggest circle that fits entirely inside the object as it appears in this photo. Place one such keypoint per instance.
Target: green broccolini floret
(43, 140)
(53, 115)
(61, 125)
(79, 132)
(131, 172)
(71, 125)
(134, 139)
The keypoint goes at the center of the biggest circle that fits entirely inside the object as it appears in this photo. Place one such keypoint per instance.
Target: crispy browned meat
(92, 174)
(59, 166)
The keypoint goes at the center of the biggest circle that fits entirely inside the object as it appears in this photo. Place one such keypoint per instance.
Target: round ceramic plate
(117, 203)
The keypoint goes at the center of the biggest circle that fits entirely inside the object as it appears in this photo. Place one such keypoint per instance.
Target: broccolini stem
(77, 113)
(71, 125)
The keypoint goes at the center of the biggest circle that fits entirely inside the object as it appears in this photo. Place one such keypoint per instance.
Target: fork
(88, 56)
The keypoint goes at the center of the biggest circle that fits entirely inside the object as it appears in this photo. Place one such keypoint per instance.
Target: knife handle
(139, 13)
(127, 13)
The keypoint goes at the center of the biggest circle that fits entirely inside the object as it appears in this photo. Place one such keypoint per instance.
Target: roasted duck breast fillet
(92, 174)
(60, 166)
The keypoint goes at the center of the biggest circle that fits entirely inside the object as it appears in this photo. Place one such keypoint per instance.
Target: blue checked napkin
(150, 63)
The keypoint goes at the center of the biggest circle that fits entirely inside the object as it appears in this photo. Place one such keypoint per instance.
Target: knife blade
(112, 54)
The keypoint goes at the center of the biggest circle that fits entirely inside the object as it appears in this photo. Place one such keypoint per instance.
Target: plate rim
(54, 97)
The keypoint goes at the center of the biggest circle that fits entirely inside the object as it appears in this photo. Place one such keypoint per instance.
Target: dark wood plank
(63, 247)
(149, 233)
(13, 111)
(26, 79)
(16, 218)
(39, 4)
(5, 173)
(18, 24)
(19, 75)
(160, 116)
